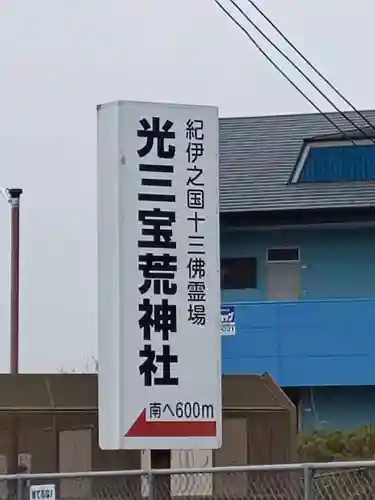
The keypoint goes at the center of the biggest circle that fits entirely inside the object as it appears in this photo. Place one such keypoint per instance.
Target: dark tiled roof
(258, 155)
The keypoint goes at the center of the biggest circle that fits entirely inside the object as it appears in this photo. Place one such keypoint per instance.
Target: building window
(237, 274)
(283, 255)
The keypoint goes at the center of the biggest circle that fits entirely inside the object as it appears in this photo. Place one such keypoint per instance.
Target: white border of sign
(134, 413)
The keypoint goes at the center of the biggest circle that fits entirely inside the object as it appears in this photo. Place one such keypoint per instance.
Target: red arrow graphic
(171, 428)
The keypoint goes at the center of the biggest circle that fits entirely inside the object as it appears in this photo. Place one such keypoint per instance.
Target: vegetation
(323, 446)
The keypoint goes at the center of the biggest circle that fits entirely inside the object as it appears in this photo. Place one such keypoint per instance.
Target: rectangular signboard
(42, 492)
(228, 320)
(159, 278)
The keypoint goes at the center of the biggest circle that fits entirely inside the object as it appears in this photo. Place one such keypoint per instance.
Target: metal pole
(14, 200)
(160, 484)
(308, 483)
(13, 196)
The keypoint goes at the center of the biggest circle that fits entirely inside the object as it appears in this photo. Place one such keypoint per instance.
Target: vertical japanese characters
(196, 205)
(157, 250)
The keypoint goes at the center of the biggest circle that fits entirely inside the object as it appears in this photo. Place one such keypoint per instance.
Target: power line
(280, 51)
(282, 72)
(312, 66)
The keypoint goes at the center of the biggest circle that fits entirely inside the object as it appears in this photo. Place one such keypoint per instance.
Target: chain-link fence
(328, 481)
(75, 486)
(351, 481)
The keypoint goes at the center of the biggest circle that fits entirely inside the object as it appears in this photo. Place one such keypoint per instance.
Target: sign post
(159, 278)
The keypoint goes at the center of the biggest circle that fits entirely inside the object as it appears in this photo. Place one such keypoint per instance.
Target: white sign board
(159, 278)
(42, 492)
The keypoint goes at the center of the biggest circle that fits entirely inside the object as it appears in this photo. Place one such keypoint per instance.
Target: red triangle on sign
(171, 428)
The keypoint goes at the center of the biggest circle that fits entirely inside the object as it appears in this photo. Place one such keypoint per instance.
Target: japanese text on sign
(157, 258)
(196, 203)
(181, 409)
(42, 492)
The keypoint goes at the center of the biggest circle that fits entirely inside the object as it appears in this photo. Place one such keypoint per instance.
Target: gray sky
(60, 58)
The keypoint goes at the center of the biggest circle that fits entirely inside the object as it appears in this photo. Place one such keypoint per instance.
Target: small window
(283, 255)
(237, 274)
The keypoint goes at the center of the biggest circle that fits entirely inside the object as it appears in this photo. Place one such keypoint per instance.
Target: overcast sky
(60, 58)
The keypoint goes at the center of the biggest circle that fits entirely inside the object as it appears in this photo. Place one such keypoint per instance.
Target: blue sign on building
(228, 320)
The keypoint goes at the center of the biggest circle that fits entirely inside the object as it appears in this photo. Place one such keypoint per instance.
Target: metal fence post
(308, 483)
(21, 489)
(150, 480)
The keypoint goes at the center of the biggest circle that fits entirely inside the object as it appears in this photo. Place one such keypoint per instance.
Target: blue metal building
(298, 260)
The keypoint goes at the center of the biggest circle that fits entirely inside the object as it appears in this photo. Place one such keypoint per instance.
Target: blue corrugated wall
(339, 164)
(324, 343)
(305, 343)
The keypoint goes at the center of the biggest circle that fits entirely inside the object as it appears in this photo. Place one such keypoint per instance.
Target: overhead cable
(311, 65)
(301, 72)
(282, 72)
